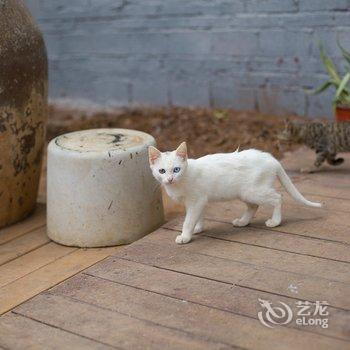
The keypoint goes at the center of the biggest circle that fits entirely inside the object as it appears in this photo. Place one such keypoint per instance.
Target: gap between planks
(113, 327)
(271, 239)
(49, 275)
(279, 229)
(262, 246)
(236, 284)
(17, 332)
(298, 221)
(32, 261)
(26, 253)
(241, 269)
(151, 322)
(22, 245)
(34, 222)
(169, 285)
(207, 305)
(285, 228)
(59, 300)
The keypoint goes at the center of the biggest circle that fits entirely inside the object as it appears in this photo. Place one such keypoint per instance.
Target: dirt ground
(205, 130)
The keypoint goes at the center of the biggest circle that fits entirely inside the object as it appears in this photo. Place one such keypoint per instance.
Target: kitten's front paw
(239, 223)
(272, 223)
(180, 239)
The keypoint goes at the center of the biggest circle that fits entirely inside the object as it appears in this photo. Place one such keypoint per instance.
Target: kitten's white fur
(247, 175)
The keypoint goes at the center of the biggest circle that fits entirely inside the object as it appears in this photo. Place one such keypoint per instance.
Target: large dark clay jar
(23, 110)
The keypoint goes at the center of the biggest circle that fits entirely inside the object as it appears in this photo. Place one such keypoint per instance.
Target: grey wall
(244, 54)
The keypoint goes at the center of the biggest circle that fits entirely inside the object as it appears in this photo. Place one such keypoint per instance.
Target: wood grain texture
(18, 333)
(201, 291)
(271, 239)
(32, 261)
(300, 220)
(114, 294)
(264, 257)
(47, 276)
(113, 328)
(325, 188)
(242, 273)
(22, 245)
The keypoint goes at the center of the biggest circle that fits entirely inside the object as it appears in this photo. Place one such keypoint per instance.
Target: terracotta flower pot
(23, 110)
(342, 114)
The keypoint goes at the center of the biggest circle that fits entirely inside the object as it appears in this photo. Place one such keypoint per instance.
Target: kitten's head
(293, 132)
(168, 167)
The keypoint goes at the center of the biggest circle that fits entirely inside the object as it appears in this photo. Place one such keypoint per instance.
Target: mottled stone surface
(100, 189)
(23, 110)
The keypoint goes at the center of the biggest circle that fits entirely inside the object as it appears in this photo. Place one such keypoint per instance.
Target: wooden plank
(18, 333)
(338, 177)
(263, 257)
(209, 293)
(33, 222)
(30, 262)
(191, 260)
(192, 317)
(334, 205)
(305, 157)
(271, 239)
(49, 275)
(323, 188)
(110, 327)
(326, 190)
(302, 221)
(291, 212)
(22, 245)
(334, 198)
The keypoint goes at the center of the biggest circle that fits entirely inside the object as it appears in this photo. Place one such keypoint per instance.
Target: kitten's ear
(153, 154)
(181, 151)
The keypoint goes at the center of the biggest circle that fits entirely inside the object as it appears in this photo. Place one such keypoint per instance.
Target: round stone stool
(100, 189)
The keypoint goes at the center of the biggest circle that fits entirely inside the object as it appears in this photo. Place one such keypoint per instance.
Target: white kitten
(248, 175)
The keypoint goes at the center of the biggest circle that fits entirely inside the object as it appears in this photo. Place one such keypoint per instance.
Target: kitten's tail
(292, 190)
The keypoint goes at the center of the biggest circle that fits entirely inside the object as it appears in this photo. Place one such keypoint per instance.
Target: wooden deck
(154, 294)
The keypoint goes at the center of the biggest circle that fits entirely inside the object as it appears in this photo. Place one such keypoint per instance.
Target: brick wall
(244, 54)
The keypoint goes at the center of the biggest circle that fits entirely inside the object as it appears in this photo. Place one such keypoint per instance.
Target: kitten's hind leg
(274, 199)
(321, 157)
(247, 216)
(199, 225)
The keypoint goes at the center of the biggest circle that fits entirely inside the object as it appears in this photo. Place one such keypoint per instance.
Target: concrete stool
(100, 189)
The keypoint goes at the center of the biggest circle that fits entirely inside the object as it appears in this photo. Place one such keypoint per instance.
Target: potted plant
(341, 100)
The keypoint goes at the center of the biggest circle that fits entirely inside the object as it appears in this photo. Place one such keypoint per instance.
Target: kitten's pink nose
(170, 179)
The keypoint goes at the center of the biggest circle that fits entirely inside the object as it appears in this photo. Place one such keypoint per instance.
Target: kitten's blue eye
(177, 169)
(162, 171)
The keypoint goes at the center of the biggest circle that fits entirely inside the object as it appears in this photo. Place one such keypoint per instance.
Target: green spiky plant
(341, 84)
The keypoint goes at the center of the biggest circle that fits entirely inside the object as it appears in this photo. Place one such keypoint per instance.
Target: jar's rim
(103, 140)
